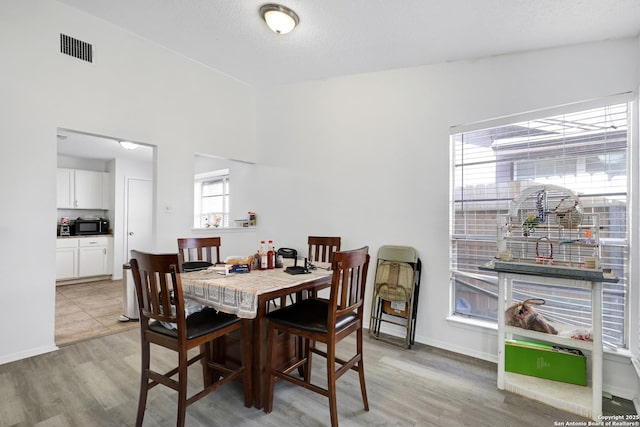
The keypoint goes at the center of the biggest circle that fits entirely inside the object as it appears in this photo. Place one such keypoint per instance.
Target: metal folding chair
(395, 294)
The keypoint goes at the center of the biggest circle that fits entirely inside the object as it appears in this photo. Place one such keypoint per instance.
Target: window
(211, 199)
(584, 151)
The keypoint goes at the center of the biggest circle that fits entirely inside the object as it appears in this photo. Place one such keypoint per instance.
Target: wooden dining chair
(326, 321)
(198, 252)
(163, 322)
(322, 248)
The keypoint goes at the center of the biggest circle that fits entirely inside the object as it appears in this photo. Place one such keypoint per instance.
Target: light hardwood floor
(95, 382)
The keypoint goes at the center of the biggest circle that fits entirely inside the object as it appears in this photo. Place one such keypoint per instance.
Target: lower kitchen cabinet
(83, 257)
(66, 259)
(94, 257)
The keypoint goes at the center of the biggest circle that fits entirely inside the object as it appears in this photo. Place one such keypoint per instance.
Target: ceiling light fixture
(128, 145)
(279, 18)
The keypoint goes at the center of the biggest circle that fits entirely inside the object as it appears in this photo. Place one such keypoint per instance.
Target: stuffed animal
(523, 315)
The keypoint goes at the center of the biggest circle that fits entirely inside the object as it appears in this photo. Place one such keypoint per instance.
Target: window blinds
(585, 151)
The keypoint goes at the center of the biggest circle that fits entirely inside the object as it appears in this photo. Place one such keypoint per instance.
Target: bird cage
(546, 224)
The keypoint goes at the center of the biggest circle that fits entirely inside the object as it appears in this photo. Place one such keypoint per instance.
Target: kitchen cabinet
(83, 257)
(66, 259)
(94, 255)
(80, 189)
(65, 179)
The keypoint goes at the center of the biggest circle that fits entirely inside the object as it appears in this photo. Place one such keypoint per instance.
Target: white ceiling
(86, 146)
(341, 37)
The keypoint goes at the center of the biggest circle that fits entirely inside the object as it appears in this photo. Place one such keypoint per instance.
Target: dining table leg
(225, 350)
(218, 351)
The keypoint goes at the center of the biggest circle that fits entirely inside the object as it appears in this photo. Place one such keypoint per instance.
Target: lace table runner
(238, 293)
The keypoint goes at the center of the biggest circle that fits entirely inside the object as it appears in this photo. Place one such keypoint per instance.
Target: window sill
(620, 354)
(223, 230)
(472, 324)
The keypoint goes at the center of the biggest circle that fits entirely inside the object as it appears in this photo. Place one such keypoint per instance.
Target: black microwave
(90, 226)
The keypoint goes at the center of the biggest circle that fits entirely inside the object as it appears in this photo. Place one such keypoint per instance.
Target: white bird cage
(546, 225)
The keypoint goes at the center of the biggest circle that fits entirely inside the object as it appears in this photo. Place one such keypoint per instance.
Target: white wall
(135, 90)
(366, 157)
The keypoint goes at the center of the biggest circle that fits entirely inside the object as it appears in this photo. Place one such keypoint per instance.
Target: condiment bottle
(271, 256)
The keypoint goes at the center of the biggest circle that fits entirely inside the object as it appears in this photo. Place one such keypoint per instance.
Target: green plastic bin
(546, 361)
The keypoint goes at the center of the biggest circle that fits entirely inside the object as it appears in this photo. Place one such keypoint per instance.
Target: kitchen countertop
(84, 236)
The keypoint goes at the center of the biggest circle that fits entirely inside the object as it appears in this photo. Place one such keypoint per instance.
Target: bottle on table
(271, 256)
(263, 255)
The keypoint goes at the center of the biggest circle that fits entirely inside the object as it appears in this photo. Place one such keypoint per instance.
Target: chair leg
(268, 399)
(363, 386)
(331, 383)
(407, 340)
(413, 330)
(379, 317)
(208, 375)
(372, 317)
(182, 388)
(301, 351)
(144, 382)
(308, 345)
(246, 356)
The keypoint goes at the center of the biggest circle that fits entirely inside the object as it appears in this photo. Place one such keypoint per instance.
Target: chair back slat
(199, 249)
(155, 277)
(322, 248)
(348, 283)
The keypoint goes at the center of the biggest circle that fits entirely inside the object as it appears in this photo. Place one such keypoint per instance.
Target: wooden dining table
(249, 296)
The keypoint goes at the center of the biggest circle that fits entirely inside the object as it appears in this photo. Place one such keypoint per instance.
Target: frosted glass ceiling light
(279, 18)
(128, 145)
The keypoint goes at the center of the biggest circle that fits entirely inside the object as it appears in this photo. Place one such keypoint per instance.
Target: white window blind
(584, 151)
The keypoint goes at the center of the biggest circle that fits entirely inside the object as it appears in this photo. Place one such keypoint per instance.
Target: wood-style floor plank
(95, 383)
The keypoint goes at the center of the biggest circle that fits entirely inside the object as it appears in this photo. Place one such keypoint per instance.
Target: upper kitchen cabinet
(81, 189)
(65, 188)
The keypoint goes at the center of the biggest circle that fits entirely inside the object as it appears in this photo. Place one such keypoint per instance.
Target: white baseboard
(489, 357)
(25, 354)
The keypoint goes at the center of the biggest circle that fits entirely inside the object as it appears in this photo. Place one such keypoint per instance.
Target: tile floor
(87, 310)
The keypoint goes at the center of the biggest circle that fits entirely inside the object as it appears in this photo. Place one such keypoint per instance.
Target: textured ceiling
(340, 37)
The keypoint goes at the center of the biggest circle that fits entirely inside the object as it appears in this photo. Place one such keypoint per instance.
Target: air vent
(76, 48)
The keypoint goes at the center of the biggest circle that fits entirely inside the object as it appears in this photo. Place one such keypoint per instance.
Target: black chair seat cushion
(199, 323)
(310, 315)
(195, 265)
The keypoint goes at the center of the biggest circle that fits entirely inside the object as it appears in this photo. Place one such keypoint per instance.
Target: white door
(139, 216)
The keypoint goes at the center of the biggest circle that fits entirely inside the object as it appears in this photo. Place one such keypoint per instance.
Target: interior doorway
(84, 305)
